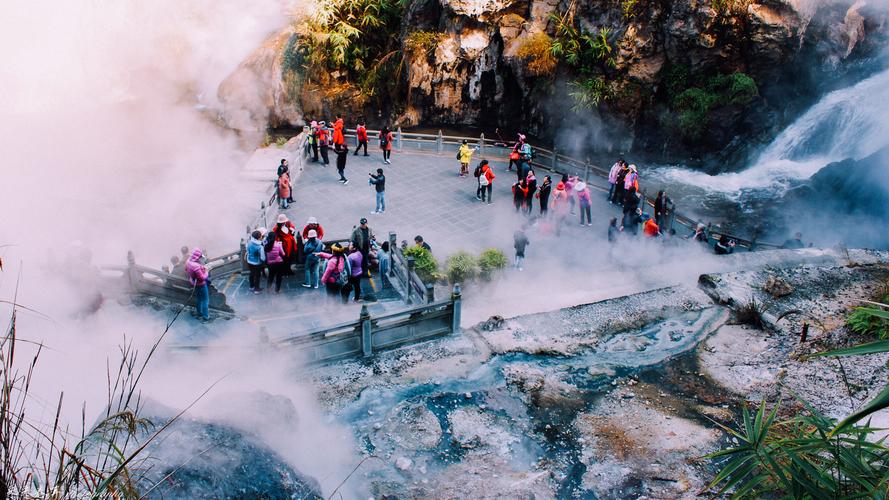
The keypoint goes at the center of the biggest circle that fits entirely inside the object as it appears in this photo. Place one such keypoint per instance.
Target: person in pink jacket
(583, 199)
(200, 277)
(276, 258)
(336, 263)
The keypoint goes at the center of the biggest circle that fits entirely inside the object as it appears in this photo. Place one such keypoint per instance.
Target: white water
(846, 123)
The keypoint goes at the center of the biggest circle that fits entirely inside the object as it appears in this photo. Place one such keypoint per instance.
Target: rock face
(476, 73)
(475, 77)
(257, 94)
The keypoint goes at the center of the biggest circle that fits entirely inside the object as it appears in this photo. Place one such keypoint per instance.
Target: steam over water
(847, 123)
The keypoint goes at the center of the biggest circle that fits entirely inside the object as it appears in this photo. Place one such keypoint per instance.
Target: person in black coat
(532, 190)
(662, 206)
(342, 153)
(543, 195)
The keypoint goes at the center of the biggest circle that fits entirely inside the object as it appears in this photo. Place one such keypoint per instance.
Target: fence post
(243, 255)
(408, 286)
(366, 339)
(392, 247)
(481, 145)
(455, 304)
(262, 208)
(398, 139)
(555, 163)
(131, 270)
(430, 293)
(439, 143)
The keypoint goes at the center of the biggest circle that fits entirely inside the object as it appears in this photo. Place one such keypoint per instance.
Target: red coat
(650, 228)
(317, 227)
(288, 241)
(338, 137)
(284, 186)
(361, 131)
(388, 146)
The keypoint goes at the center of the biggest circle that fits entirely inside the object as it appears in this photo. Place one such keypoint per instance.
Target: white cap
(313, 233)
(282, 218)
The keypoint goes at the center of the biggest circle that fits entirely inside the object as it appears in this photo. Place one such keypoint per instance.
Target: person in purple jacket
(200, 277)
(354, 260)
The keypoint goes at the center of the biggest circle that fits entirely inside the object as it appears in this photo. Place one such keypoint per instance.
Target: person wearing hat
(312, 246)
(255, 259)
(631, 181)
(312, 223)
(583, 199)
(361, 238)
(336, 264)
(199, 276)
(560, 206)
(286, 232)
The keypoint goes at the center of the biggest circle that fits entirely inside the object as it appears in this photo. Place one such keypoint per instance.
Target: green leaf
(869, 348)
(880, 402)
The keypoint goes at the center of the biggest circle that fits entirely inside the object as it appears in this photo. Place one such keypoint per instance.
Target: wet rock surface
(614, 399)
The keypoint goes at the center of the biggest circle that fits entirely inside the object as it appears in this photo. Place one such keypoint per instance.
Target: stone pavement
(424, 195)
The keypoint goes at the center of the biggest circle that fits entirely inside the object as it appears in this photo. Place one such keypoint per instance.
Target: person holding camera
(379, 182)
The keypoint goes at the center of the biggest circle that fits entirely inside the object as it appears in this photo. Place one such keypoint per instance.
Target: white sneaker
(374, 212)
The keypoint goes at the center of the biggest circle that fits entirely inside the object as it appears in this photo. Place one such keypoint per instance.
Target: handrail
(555, 158)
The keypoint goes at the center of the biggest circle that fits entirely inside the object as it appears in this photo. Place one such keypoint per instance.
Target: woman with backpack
(485, 181)
(277, 262)
(386, 144)
(336, 273)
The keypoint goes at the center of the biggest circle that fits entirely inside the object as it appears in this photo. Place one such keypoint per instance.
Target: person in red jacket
(323, 141)
(311, 224)
(386, 144)
(338, 138)
(519, 193)
(286, 232)
(485, 181)
(361, 135)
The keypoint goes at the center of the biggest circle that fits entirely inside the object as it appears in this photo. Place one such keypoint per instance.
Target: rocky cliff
(678, 79)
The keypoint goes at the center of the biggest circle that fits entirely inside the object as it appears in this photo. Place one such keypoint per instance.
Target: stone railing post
(366, 337)
(481, 145)
(132, 274)
(392, 246)
(243, 254)
(439, 143)
(455, 311)
(408, 285)
(430, 293)
(398, 140)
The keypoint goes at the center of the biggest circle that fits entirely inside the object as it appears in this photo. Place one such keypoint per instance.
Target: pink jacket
(584, 197)
(612, 175)
(197, 273)
(335, 265)
(276, 254)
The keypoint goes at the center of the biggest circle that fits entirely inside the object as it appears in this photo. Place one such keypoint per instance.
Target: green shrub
(280, 142)
(491, 260)
(864, 321)
(462, 267)
(589, 92)
(695, 104)
(426, 266)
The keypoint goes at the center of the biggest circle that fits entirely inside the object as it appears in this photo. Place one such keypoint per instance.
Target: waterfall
(847, 123)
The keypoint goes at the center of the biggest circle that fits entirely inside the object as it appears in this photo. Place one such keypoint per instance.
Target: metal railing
(546, 159)
(367, 335)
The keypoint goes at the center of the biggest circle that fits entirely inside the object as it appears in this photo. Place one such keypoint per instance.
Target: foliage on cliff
(694, 98)
(351, 43)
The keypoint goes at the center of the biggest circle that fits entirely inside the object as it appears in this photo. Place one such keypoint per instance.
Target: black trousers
(354, 284)
(314, 151)
(255, 276)
(276, 274)
(360, 144)
(324, 157)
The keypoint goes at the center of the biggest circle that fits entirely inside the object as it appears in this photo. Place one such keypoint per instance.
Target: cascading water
(846, 123)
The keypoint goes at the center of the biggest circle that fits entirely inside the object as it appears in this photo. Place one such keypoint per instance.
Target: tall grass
(48, 460)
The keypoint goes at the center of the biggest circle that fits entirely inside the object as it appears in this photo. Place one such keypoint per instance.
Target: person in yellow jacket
(464, 154)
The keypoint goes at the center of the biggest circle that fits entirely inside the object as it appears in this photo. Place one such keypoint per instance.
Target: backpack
(478, 171)
(342, 279)
(458, 155)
